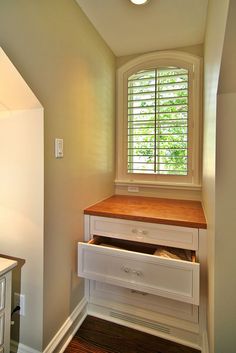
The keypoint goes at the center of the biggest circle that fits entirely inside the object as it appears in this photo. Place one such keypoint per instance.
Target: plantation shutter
(158, 106)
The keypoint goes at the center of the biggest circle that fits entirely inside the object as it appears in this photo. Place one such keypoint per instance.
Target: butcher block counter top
(149, 209)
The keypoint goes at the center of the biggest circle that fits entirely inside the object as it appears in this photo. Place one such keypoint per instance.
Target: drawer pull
(139, 231)
(125, 269)
(137, 272)
(130, 270)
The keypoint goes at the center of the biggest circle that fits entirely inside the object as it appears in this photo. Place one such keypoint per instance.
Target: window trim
(146, 61)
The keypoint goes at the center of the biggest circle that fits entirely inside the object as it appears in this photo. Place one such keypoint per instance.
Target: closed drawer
(133, 265)
(147, 305)
(153, 233)
(1, 329)
(2, 292)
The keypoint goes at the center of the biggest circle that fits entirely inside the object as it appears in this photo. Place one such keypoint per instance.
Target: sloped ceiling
(227, 80)
(15, 94)
(161, 24)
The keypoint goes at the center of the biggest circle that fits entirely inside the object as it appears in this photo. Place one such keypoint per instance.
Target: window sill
(159, 185)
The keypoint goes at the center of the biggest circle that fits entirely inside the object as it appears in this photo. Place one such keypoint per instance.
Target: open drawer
(142, 267)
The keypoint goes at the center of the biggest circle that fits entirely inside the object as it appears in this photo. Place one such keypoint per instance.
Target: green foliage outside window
(158, 121)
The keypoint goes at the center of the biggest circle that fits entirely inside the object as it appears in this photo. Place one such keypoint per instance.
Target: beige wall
(194, 49)
(225, 280)
(21, 195)
(225, 240)
(21, 213)
(215, 29)
(72, 72)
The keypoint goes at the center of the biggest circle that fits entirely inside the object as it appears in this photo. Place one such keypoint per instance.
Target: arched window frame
(154, 60)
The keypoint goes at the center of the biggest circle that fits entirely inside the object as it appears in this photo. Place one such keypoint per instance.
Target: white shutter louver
(158, 105)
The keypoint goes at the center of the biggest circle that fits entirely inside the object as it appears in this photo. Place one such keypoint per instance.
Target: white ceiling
(161, 24)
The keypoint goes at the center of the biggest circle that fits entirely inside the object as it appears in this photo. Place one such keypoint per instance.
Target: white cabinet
(5, 303)
(131, 280)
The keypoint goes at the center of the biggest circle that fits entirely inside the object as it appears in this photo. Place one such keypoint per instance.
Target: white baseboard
(74, 320)
(63, 336)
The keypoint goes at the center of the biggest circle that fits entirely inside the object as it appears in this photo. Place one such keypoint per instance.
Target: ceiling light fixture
(139, 2)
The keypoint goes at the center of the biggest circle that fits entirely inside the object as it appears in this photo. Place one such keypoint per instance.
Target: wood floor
(99, 336)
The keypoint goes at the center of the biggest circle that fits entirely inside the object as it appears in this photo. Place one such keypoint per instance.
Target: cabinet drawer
(2, 292)
(145, 304)
(153, 233)
(133, 265)
(1, 328)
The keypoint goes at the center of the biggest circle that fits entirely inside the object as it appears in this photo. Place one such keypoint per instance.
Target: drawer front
(1, 328)
(117, 297)
(2, 292)
(153, 233)
(174, 279)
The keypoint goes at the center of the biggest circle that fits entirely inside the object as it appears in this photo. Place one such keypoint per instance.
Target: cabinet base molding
(151, 327)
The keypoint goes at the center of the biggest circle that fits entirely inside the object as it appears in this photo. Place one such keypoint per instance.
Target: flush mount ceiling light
(139, 2)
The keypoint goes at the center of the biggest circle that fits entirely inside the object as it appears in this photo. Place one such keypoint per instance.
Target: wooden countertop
(149, 209)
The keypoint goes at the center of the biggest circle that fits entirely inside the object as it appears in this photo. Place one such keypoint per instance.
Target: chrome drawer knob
(140, 232)
(138, 273)
(131, 270)
(125, 269)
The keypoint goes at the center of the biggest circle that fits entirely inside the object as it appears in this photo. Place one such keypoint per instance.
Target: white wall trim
(164, 54)
(151, 184)
(163, 58)
(205, 345)
(80, 312)
(170, 192)
(72, 323)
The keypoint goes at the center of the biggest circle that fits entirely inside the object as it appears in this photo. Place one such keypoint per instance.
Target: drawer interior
(151, 249)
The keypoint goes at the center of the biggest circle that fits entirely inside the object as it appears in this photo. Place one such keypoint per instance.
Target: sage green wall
(72, 72)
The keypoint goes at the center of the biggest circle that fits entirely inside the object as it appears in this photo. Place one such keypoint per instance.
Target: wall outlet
(19, 299)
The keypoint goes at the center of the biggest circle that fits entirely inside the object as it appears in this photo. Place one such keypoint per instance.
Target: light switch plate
(59, 153)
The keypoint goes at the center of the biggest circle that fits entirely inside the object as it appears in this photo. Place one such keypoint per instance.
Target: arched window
(158, 119)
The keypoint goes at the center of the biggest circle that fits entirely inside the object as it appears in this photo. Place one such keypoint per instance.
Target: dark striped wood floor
(99, 336)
